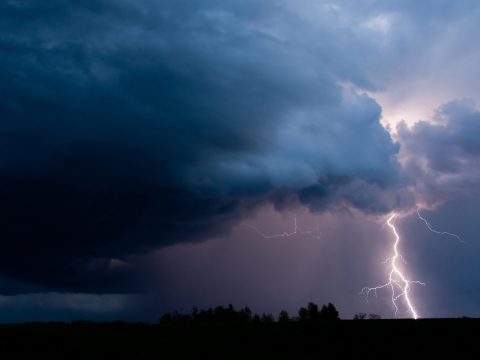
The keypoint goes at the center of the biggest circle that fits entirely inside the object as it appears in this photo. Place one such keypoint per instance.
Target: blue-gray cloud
(129, 126)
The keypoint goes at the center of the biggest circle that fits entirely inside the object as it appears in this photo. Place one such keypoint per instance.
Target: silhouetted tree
(283, 317)
(267, 318)
(221, 314)
(245, 314)
(363, 316)
(302, 314)
(329, 312)
(360, 316)
(313, 313)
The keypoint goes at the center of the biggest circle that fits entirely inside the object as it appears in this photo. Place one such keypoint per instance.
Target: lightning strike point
(398, 283)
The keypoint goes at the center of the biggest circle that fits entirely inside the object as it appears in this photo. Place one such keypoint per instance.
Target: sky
(151, 148)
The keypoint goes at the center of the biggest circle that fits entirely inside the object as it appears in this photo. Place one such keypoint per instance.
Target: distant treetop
(228, 314)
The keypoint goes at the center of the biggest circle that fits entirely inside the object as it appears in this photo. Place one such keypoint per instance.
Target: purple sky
(142, 140)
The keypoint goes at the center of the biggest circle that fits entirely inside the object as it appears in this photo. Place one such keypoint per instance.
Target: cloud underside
(131, 126)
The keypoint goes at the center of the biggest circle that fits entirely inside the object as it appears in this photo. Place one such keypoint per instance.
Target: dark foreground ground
(387, 339)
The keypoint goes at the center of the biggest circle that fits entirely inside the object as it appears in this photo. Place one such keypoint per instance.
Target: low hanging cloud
(130, 126)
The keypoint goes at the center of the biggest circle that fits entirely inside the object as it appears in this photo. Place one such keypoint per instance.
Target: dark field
(365, 338)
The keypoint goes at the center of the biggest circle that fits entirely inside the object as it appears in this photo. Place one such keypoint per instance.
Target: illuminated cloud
(441, 156)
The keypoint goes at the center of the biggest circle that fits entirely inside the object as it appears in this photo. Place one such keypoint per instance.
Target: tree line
(221, 314)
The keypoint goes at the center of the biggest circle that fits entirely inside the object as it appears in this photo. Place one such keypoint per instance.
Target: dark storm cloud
(127, 126)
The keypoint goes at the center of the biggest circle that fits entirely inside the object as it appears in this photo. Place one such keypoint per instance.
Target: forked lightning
(286, 233)
(398, 283)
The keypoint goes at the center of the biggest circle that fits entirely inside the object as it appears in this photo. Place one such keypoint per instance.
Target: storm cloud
(131, 126)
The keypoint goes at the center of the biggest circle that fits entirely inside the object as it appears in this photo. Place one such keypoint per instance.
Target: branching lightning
(398, 283)
(429, 227)
(284, 234)
(295, 231)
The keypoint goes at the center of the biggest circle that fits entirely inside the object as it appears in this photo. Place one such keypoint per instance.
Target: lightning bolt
(284, 234)
(398, 283)
(295, 231)
(429, 227)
